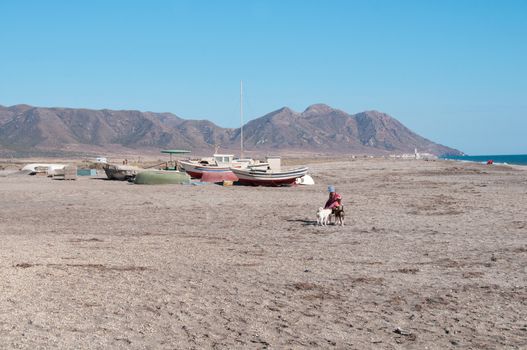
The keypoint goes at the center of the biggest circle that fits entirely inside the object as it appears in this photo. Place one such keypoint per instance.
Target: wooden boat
(267, 177)
(196, 169)
(121, 172)
(218, 163)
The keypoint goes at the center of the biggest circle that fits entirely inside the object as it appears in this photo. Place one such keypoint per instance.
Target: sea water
(517, 159)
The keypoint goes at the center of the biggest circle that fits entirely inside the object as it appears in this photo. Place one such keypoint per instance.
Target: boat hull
(161, 178)
(120, 173)
(218, 176)
(196, 170)
(260, 178)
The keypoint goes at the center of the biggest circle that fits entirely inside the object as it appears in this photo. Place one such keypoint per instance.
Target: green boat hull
(161, 178)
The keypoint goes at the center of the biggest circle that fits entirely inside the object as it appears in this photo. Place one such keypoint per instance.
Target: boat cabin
(275, 163)
(223, 159)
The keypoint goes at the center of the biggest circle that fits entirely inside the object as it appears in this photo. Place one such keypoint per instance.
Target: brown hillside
(318, 129)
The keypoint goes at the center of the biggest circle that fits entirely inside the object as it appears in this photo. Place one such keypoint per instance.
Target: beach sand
(433, 255)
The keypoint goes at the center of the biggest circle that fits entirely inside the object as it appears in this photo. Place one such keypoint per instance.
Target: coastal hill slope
(325, 129)
(318, 129)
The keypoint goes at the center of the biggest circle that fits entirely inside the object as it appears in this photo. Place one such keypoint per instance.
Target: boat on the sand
(219, 164)
(34, 168)
(268, 177)
(121, 172)
(218, 176)
(161, 177)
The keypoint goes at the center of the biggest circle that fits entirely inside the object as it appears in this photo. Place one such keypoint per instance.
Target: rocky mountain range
(319, 129)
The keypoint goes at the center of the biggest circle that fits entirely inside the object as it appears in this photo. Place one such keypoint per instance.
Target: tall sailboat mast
(241, 119)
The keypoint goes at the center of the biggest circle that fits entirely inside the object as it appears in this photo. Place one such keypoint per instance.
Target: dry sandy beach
(433, 255)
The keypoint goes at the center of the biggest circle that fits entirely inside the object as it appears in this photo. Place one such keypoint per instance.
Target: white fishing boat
(268, 177)
(247, 171)
(269, 173)
(218, 163)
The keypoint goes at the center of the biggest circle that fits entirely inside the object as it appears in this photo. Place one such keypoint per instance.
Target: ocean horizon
(514, 159)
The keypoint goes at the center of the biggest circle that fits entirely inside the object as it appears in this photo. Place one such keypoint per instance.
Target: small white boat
(42, 167)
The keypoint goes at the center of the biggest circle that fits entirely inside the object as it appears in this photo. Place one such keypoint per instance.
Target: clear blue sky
(453, 71)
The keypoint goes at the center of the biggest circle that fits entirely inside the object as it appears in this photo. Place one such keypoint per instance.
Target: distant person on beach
(334, 200)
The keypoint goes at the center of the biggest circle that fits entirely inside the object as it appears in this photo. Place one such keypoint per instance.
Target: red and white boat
(267, 177)
(246, 170)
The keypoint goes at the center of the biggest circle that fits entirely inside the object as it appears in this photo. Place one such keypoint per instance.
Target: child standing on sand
(334, 200)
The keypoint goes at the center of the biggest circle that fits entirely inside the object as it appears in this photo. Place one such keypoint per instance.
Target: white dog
(323, 216)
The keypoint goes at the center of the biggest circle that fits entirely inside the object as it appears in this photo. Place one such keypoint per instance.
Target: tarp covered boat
(161, 178)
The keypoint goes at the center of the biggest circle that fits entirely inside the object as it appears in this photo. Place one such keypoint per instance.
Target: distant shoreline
(503, 159)
(513, 166)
